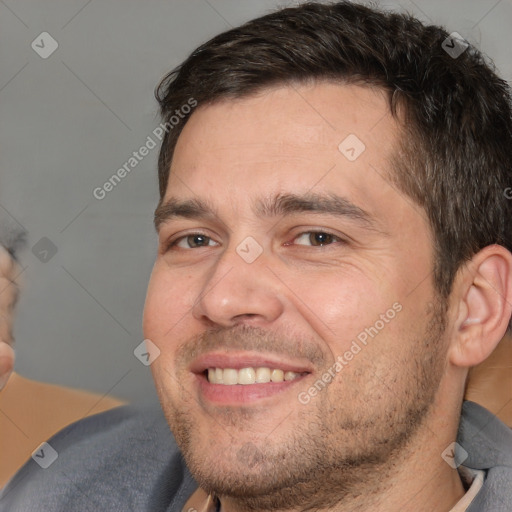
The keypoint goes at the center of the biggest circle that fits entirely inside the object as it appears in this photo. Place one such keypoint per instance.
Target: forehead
(296, 115)
(321, 138)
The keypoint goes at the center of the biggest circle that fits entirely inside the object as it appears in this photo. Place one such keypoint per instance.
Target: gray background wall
(68, 122)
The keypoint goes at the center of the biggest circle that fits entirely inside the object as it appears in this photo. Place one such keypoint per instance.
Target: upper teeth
(230, 376)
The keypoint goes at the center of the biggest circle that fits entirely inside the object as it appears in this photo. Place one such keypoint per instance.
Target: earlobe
(485, 291)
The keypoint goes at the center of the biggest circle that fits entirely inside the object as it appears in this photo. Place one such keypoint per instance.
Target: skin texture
(393, 409)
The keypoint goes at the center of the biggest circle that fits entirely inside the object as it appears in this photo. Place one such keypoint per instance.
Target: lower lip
(240, 394)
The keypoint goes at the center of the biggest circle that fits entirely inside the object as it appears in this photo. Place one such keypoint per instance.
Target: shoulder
(487, 445)
(489, 440)
(35, 411)
(125, 458)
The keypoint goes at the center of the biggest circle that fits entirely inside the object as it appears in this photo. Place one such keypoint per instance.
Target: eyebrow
(280, 205)
(186, 209)
(283, 205)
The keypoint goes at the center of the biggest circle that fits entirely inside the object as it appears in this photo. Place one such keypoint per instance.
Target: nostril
(245, 316)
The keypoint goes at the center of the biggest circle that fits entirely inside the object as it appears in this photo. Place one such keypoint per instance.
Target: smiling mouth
(250, 375)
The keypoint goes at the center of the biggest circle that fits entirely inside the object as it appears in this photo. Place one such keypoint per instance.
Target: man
(333, 258)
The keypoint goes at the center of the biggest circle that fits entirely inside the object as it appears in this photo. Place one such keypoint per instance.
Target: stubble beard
(336, 452)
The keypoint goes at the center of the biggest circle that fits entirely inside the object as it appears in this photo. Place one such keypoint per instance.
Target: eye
(316, 238)
(193, 241)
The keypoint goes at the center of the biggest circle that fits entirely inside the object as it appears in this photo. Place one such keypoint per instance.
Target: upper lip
(239, 360)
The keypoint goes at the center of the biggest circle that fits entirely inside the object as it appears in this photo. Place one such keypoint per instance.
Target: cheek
(338, 304)
(351, 310)
(169, 298)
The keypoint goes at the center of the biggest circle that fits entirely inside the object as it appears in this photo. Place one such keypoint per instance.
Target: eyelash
(174, 243)
(337, 239)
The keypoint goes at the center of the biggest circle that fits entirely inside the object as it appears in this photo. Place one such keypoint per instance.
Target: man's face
(280, 251)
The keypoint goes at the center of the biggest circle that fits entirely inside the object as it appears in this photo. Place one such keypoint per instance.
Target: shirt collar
(201, 501)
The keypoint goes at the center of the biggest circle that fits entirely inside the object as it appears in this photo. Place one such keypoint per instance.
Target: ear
(483, 292)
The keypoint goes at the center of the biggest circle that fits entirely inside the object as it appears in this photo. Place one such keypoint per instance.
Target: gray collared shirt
(126, 459)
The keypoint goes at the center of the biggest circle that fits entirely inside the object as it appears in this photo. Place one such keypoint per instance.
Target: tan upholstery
(31, 412)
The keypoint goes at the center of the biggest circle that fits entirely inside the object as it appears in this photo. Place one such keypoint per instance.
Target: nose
(236, 291)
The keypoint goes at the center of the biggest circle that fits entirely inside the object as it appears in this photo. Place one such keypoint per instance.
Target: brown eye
(316, 239)
(198, 240)
(193, 241)
(321, 238)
